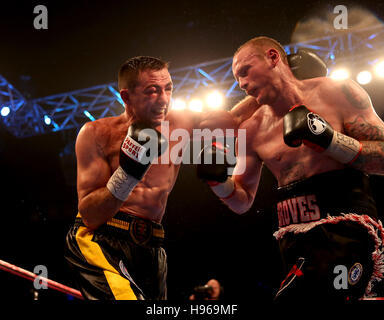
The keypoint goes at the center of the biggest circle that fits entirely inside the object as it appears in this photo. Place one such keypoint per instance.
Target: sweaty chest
(268, 142)
(286, 163)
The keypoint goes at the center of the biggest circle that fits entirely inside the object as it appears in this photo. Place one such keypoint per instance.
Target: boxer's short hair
(263, 43)
(130, 70)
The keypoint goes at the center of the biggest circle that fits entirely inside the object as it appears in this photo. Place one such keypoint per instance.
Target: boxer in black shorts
(320, 138)
(324, 226)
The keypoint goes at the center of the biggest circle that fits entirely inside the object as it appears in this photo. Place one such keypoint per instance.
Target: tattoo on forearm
(359, 101)
(362, 130)
(371, 159)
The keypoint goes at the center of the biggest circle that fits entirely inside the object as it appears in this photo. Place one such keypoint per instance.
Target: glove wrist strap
(121, 184)
(343, 148)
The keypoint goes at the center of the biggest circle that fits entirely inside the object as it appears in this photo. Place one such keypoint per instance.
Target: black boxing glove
(214, 172)
(305, 65)
(303, 126)
(211, 170)
(137, 152)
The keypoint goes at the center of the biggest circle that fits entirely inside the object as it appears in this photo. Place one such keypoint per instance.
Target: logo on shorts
(141, 231)
(315, 123)
(355, 273)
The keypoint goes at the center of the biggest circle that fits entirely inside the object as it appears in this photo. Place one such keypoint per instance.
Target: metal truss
(353, 47)
(66, 111)
(72, 109)
(13, 100)
(194, 80)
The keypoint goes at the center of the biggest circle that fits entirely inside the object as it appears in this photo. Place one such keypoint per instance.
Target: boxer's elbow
(240, 206)
(240, 209)
(92, 225)
(97, 207)
(242, 200)
(88, 219)
(87, 222)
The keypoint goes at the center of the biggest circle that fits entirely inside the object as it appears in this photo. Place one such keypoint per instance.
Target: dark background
(84, 45)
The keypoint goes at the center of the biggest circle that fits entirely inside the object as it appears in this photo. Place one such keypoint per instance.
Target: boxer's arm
(220, 119)
(96, 203)
(239, 191)
(216, 119)
(363, 124)
(245, 184)
(244, 109)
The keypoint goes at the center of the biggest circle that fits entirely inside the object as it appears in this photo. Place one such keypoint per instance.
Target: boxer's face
(150, 99)
(254, 74)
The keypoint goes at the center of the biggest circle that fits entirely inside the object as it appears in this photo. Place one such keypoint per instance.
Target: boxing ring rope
(5, 266)
(31, 276)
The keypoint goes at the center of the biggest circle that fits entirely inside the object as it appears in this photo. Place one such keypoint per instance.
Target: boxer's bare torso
(98, 146)
(344, 105)
(149, 198)
(291, 164)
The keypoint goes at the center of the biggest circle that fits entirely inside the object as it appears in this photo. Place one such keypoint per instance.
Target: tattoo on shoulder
(358, 100)
(362, 130)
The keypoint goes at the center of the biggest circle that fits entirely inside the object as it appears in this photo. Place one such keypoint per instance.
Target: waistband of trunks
(140, 231)
(329, 193)
(342, 179)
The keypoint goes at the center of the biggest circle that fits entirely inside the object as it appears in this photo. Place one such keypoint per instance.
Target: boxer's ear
(273, 56)
(125, 96)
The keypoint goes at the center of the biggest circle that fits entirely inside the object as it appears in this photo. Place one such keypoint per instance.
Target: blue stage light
(91, 117)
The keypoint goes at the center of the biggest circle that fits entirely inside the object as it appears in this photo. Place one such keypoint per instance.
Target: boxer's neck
(291, 94)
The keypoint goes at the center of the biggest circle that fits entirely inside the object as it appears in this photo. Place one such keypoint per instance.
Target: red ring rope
(32, 276)
(60, 287)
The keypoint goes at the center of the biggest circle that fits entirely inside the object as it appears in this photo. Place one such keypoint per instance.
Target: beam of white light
(364, 77)
(340, 74)
(214, 100)
(196, 105)
(178, 104)
(379, 69)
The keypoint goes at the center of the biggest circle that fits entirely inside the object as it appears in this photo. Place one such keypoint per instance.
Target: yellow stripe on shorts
(120, 286)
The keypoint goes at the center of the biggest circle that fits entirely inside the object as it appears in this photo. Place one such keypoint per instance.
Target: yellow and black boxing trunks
(328, 223)
(121, 260)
